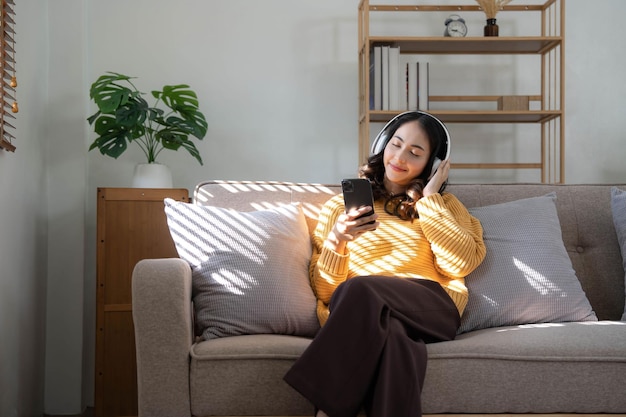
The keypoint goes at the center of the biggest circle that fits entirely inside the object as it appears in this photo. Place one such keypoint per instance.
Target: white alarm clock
(455, 26)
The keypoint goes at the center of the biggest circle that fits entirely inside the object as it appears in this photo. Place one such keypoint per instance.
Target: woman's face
(405, 156)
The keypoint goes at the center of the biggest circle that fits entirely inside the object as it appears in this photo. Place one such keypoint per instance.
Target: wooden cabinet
(131, 226)
(548, 110)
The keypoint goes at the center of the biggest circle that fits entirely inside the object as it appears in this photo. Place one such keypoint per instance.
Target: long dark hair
(403, 205)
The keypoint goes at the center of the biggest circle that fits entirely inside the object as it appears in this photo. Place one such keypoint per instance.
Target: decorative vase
(491, 28)
(152, 176)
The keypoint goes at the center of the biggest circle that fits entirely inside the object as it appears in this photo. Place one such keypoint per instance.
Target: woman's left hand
(437, 180)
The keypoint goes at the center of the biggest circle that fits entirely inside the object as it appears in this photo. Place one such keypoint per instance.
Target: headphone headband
(383, 136)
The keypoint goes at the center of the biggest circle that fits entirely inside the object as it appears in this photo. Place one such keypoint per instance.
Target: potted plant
(125, 117)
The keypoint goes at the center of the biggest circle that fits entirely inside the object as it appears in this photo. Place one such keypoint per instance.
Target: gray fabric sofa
(574, 367)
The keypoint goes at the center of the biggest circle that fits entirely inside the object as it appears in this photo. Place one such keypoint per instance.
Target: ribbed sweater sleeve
(328, 268)
(455, 236)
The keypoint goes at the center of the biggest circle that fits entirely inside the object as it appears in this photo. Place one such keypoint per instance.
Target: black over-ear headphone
(383, 137)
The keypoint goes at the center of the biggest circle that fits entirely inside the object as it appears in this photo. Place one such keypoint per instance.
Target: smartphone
(357, 192)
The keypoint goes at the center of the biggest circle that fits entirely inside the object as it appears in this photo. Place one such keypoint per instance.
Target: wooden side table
(131, 226)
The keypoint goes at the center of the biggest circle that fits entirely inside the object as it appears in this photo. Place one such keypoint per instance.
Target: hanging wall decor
(8, 81)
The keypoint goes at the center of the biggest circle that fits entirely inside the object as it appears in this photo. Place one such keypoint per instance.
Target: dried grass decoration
(491, 9)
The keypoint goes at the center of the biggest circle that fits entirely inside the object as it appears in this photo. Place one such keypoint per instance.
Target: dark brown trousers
(371, 353)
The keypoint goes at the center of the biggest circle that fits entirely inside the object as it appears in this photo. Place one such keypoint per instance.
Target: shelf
(471, 45)
(502, 165)
(495, 116)
(450, 8)
(543, 108)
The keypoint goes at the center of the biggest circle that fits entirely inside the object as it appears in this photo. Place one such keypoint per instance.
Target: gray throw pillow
(527, 276)
(250, 269)
(618, 206)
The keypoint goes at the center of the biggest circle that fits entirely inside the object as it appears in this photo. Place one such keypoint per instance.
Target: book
(423, 86)
(371, 81)
(403, 87)
(412, 90)
(376, 85)
(394, 78)
(385, 76)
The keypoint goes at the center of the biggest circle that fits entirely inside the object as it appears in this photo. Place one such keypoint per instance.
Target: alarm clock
(455, 26)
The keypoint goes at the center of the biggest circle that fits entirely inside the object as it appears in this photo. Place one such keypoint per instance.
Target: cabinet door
(131, 226)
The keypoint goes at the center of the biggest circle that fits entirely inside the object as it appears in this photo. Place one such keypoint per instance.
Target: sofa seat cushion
(575, 367)
(249, 368)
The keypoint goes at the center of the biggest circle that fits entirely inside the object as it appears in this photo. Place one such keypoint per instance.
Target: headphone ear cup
(436, 164)
(379, 142)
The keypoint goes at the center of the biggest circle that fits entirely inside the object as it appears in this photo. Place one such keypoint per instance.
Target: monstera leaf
(107, 94)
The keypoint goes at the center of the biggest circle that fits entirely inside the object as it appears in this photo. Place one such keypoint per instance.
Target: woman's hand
(349, 226)
(437, 180)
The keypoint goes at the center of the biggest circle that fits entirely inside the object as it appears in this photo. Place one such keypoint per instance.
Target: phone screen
(357, 192)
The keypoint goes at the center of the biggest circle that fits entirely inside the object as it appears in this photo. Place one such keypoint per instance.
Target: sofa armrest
(162, 315)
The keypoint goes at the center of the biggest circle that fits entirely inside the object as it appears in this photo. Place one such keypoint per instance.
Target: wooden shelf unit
(549, 46)
(493, 45)
(131, 226)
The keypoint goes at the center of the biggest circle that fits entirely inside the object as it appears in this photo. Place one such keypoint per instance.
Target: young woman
(390, 282)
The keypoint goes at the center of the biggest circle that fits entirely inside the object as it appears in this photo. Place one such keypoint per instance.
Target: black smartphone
(357, 192)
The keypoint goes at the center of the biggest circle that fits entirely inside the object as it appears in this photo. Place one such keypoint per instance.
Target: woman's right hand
(441, 176)
(349, 226)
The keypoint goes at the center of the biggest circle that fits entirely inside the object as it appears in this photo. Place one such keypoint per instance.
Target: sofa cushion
(618, 206)
(536, 368)
(527, 276)
(249, 269)
(249, 369)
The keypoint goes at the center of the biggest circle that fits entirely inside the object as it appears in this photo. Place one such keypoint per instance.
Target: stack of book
(397, 82)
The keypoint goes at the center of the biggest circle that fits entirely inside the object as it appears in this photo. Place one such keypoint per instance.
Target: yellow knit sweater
(445, 244)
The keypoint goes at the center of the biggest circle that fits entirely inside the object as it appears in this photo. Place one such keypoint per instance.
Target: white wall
(595, 92)
(277, 80)
(23, 213)
(66, 150)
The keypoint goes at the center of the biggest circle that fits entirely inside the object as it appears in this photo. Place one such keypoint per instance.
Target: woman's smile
(396, 168)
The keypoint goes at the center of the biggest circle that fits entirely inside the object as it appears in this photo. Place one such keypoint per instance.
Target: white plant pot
(152, 176)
